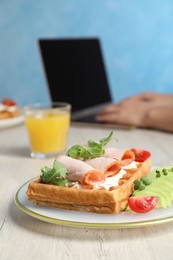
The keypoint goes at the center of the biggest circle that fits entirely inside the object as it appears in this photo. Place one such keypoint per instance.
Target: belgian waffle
(96, 199)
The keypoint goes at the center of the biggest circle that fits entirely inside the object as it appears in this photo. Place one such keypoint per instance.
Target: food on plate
(8, 109)
(94, 177)
(142, 204)
(160, 185)
(140, 155)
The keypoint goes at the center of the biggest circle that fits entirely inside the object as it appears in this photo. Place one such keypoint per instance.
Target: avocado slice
(161, 186)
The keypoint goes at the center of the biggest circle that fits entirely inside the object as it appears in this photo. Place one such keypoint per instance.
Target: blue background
(136, 38)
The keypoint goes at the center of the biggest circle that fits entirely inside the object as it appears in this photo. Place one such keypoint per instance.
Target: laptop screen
(75, 71)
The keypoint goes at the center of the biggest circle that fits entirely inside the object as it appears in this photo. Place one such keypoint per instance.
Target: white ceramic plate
(5, 123)
(127, 219)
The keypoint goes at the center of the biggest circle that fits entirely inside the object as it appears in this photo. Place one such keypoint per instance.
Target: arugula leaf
(92, 150)
(105, 141)
(56, 175)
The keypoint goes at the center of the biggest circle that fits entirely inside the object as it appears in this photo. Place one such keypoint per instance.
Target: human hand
(129, 112)
(158, 99)
(148, 110)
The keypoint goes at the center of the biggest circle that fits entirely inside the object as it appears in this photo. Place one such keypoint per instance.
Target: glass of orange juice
(47, 126)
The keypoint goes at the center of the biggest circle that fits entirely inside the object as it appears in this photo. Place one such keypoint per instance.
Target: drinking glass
(47, 126)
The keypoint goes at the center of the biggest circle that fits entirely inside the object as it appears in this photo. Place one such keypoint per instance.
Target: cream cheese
(113, 181)
(74, 184)
(2, 107)
(11, 109)
(131, 165)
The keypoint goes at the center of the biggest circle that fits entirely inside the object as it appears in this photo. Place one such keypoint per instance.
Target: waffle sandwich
(8, 109)
(95, 199)
(100, 185)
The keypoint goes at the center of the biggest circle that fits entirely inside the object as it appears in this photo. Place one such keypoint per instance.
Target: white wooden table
(24, 237)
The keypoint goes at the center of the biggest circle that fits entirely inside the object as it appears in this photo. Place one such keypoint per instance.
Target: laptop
(75, 73)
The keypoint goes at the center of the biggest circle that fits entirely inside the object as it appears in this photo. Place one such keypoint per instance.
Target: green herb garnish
(92, 150)
(56, 175)
(161, 186)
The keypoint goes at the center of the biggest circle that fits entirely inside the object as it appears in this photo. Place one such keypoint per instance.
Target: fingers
(107, 117)
(128, 112)
(108, 109)
(145, 96)
(117, 116)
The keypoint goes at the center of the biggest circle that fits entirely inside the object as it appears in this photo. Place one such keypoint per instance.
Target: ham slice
(128, 157)
(111, 152)
(79, 171)
(125, 156)
(109, 166)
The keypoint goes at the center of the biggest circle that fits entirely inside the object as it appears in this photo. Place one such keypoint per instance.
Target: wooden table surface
(24, 237)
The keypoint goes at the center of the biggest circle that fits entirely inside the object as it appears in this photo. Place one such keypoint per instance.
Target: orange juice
(47, 125)
(48, 131)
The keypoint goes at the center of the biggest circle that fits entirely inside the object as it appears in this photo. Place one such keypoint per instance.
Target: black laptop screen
(75, 71)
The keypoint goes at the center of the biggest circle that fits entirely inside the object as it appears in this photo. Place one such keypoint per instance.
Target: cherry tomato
(140, 155)
(142, 204)
(8, 102)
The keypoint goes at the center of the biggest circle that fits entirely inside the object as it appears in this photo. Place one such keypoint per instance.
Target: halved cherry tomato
(140, 155)
(142, 204)
(8, 102)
